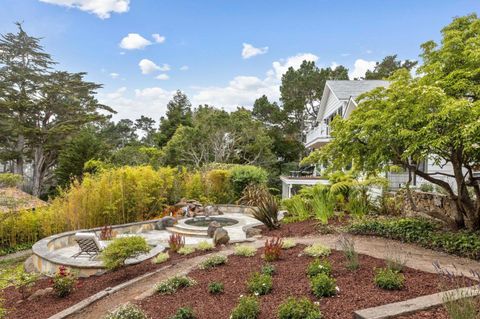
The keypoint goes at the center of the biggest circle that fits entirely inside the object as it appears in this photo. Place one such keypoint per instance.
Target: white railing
(322, 131)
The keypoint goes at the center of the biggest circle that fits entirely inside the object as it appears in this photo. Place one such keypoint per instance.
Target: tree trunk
(38, 170)
(19, 150)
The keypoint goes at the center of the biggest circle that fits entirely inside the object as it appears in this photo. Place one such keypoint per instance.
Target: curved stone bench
(47, 258)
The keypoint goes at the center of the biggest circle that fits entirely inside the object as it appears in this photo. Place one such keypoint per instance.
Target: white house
(339, 98)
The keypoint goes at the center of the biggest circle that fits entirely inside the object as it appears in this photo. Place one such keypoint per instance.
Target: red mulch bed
(436, 313)
(50, 304)
(357, 290)
(304, 228)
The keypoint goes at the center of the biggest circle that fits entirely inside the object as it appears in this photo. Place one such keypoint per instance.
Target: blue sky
(202, 42)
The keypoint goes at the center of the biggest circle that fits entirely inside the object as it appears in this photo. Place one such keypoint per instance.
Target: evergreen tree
(179, 112)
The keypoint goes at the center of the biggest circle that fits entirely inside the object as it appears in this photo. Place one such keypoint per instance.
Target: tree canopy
(434, 116)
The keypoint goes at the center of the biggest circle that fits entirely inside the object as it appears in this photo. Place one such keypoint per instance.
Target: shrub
(297, 208)
(348, 248)
(123, 248)
(186, 250)
(317, 250)
(215, 287)
(273, 249)
(288, 243)
(319, 267)
(259, 284)
(127, 311)
(248, 308)
(161, 258)
(171, 285)
(245, 250)
(175, 242)
(205, 246)
(244, 175)
(184, 313)
(10, 180)
(213, 261)
(388, 279)
(426, 187)
(266, 211)
(463, 306)
(323, 285)
(268, 269)
(301, 308)
(64, 282)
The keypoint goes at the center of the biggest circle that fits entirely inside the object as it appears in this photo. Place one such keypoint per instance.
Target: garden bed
(357, 289)
(49, 304)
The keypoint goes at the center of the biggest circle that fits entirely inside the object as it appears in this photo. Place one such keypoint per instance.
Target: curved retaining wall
(46, 258)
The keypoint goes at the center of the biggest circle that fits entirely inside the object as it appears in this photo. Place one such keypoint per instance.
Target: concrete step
(187, 232)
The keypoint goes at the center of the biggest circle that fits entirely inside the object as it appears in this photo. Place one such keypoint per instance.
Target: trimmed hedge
(422, 232)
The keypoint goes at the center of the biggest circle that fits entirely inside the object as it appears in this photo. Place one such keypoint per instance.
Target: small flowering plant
(319, 266)
(64, 282)
(259, 284)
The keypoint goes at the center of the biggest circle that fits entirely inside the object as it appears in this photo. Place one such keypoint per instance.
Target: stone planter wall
(426, 202)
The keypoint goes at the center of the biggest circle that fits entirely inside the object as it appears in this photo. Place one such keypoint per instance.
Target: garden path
(414, 256)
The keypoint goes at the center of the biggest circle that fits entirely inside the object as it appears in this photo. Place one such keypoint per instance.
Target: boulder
(40, 293)
(168, 221)
(252, 232)
(220, 237)
(212, 227)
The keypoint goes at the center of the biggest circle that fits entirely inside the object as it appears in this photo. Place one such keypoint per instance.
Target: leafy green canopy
(434, 116)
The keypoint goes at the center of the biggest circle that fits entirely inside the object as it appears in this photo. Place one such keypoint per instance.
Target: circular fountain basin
(205, 221)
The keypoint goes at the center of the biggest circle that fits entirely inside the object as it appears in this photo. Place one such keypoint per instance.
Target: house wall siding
(332, 105)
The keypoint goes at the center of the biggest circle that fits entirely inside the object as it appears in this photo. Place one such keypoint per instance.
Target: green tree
(387, 67)
(217, 136)
(431, 117)
(23, 68)
(147, 126)
(80, 149)
(301, 91)
(178, 113)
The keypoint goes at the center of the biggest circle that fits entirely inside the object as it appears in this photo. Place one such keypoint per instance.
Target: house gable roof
(344, 90)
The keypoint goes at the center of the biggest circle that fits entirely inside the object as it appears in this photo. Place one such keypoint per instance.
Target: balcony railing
(321, 132)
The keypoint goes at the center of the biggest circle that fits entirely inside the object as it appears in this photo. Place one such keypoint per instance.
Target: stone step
(187, 232)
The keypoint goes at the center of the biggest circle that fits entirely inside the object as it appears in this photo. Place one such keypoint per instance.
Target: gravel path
(414, 257)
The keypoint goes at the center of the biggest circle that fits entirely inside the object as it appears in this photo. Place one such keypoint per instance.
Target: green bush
(317, 250)
(248, 308)
(301, 308)
(213, 261)
(388, 279)
(127, 311)
(205, 246)
(171, 285)
(161, 258)
(64, 282)
(259, 284)
(297, 209)
(323, 285)
(268, 269)
(186, 250)
(215, 287)
(244, 175)
(10, 180)
(244, 250)
(319, 267)
(184, 313)
(121, 249)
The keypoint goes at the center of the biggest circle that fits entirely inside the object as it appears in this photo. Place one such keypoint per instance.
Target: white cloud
(162, 76)
(360, 67)
(150, 102)
(158, 38)
(184, 68)
(280, 67)
(101, 8)
(134, 41)
(148, 66)
(251, 51)
(243, 90)
(165, 67)
(334, 65)
(114, 75)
